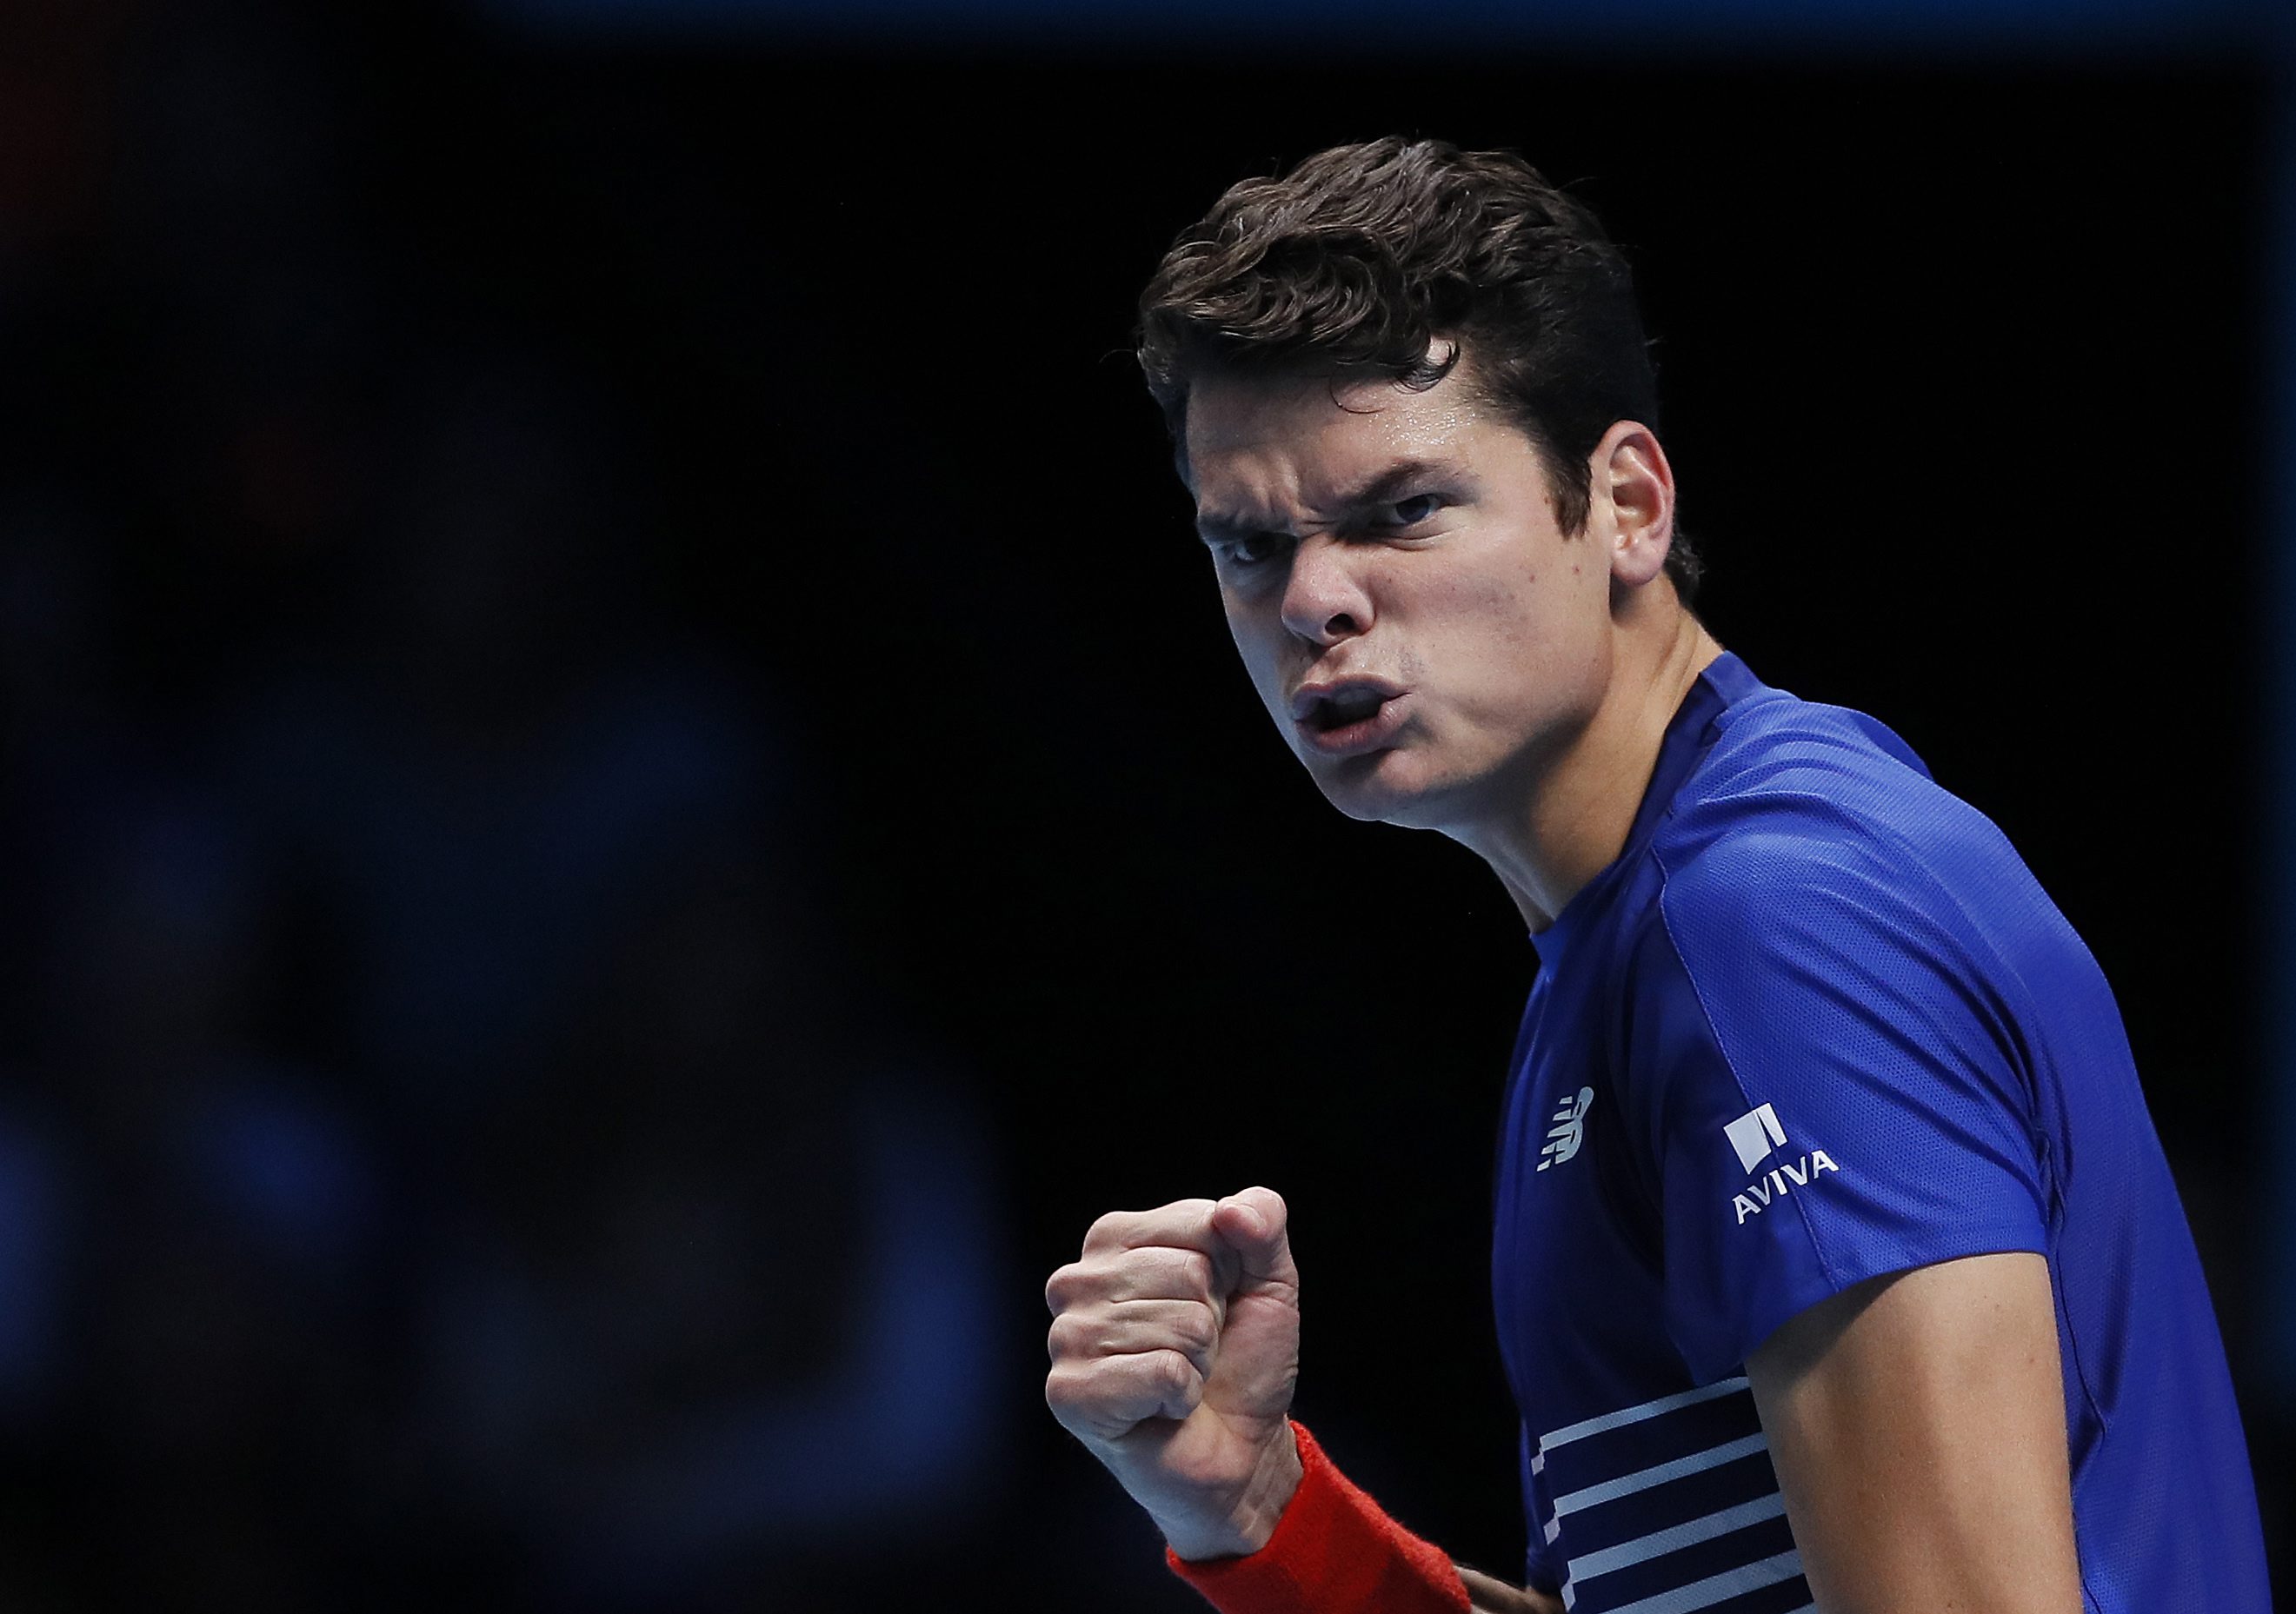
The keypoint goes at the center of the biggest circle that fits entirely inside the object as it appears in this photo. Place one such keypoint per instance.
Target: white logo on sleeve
(1756, 1136)
(1569, 1131)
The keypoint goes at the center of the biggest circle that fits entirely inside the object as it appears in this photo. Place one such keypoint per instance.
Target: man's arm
(1917, 1424)
(1175, 1347)
(1497, 1597)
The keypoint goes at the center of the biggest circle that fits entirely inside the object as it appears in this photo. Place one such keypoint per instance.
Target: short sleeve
(1828, 1077)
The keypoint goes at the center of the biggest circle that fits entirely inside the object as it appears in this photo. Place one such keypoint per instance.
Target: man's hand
(1175, 1347)
(1917, 1424)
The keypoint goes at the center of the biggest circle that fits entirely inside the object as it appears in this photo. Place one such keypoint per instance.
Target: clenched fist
(1175, 1347)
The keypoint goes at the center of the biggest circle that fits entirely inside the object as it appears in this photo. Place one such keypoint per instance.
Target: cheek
(1493, 618)
(1255, 642)
(1511, 640)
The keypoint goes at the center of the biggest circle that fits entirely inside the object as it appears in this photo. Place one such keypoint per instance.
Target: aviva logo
(1569, 1131)
(1756, 1136)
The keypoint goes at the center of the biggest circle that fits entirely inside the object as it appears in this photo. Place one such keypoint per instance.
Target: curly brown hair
(1362, 255)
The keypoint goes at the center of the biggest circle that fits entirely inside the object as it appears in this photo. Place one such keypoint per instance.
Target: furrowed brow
(1214, 527)
(1382, 488)
(1227, 529)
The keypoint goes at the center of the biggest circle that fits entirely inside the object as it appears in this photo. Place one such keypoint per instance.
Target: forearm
(1491, 1596)
(1333, 1550)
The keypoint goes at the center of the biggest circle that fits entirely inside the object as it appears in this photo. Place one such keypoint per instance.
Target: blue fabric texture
(1817, 1023)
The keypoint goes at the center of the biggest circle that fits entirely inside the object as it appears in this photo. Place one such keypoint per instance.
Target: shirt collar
(1722, 684)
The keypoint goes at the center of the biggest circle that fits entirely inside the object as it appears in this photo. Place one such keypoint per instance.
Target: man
(1836, 1260)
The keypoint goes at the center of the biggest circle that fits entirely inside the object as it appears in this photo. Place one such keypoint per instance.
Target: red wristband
(1333, 1552)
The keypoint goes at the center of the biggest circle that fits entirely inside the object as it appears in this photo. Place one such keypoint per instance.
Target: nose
(1323, 600)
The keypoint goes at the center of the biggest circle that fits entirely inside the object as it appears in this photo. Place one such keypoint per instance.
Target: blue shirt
(1816, 1023)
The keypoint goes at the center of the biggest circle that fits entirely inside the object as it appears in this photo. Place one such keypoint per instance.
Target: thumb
(1255, 1225)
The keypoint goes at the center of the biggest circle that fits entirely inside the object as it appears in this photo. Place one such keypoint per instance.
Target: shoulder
(1813, 853)
(1799, 800)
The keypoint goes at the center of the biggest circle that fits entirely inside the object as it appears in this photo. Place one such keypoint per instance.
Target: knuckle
(1063, 1339)
(1127, 1281)
(1177, 1372)
(1130, 1279)
(1073, 1390)
(1196, 1271)
(1059, 1392)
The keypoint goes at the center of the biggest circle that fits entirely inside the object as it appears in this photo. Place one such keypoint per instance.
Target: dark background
(627, 804)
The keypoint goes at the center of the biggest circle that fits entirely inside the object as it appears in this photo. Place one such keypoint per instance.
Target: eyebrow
(1381, 489)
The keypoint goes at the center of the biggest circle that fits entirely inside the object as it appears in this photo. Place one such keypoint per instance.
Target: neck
(1570, 820)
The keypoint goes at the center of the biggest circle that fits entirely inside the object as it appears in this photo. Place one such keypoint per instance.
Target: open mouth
(1345, 706)
(1344, 715)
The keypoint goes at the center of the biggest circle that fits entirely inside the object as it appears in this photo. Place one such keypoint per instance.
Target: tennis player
(1836, 1263)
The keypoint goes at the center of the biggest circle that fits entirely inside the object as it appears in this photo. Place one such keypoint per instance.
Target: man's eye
(1253, 550)
(1417, 508)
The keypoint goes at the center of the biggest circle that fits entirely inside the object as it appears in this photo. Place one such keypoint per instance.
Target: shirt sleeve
(1823, 1064)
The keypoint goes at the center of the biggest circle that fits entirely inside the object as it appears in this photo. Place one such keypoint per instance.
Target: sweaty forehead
(1265, 447)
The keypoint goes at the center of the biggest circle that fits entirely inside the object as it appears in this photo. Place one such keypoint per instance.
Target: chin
(1388, 788)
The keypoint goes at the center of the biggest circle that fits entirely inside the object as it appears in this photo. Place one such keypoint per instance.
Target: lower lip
(1372, 733)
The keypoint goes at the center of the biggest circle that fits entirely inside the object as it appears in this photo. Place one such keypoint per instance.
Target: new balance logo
(1569, 1131)
(1756, 1136)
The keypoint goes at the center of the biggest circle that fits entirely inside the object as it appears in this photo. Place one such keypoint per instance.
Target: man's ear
(1632, 481)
